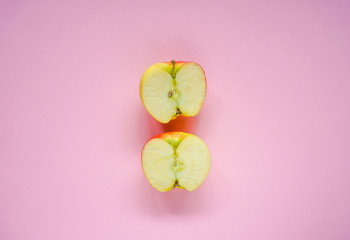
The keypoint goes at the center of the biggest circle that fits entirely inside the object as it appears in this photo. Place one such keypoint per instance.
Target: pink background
(276, 119)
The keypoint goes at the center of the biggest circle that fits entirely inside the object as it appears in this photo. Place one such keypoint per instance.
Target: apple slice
(174, 88)
(175, 159)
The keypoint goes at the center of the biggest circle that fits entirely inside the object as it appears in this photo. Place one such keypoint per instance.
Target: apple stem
(173, 70)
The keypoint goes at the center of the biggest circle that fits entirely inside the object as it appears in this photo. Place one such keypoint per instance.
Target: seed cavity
(170, 94)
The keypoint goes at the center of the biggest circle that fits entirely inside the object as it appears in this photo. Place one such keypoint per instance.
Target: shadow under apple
(175, 202)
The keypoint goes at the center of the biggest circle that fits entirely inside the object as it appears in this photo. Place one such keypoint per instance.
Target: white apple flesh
(171, 89)
(175, 159)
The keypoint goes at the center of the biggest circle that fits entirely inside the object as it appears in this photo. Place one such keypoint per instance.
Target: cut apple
(175, 159)
(174, 88)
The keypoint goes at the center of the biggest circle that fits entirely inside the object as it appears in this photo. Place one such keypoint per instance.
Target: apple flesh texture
(175, 159)
(171, 89)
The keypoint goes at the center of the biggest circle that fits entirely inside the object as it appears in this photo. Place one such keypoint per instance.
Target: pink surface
(276, 119)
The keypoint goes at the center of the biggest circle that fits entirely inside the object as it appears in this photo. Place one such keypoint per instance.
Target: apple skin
(168, 136)
(167, 66)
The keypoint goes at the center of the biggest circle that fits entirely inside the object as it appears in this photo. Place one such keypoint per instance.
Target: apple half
(175, 159)
(171, 89)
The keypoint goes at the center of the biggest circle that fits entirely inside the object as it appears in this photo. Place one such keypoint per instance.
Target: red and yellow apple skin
(185, 167)
(172, 68)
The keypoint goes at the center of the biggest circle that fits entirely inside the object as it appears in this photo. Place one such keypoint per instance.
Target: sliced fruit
(174, 88)
(175, 159)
